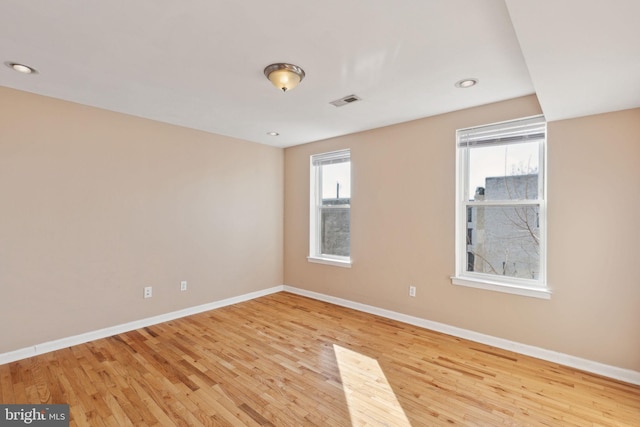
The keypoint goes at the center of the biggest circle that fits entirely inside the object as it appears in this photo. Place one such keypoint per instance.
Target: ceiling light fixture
(273, 133)
(465, 83)
(21, 68)
(284, 76)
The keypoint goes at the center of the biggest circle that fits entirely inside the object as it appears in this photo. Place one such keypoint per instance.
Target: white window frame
(315, 192)
(465, 140)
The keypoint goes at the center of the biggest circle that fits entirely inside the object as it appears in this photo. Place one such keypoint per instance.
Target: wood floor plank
(286, 360)
(6, 384)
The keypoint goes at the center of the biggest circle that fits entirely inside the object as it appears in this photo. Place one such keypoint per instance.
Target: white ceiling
(199, 63)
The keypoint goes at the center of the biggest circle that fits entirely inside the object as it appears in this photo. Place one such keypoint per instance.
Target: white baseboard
(626, 375)
(46, 347)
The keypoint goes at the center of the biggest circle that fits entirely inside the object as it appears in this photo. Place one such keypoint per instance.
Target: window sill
(527, 291)
(329, 261)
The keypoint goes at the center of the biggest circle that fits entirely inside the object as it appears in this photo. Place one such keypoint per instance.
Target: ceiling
(199, 63)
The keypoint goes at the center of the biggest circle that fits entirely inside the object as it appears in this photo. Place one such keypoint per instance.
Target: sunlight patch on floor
(369, 396)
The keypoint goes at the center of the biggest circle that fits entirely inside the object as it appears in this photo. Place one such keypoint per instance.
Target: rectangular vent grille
(346, 100)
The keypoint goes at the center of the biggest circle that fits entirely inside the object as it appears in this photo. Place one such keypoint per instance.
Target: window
(330, 210)
(501, 207)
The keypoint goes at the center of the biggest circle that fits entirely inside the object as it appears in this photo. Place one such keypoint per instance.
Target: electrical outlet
(148, 291)
(183, 285)
(412, 291)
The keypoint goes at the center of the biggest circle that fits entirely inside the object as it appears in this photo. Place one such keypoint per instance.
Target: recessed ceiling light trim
(21, 68)
(466, 83)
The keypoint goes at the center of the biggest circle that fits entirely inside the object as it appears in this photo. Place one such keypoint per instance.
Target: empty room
(338, 213)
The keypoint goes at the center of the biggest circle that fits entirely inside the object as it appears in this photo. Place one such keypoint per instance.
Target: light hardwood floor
(286, 360)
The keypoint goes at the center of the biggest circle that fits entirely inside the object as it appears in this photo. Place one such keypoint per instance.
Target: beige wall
(95, 205)
(402, 231)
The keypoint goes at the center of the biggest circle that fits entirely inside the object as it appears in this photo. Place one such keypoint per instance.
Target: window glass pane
(504, 172)
(336, 181)
(334, 231)
(504, 241)
(331, 195)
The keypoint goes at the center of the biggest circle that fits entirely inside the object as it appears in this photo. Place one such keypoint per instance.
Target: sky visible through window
(334, 175)
(492, 161)
(501, 160)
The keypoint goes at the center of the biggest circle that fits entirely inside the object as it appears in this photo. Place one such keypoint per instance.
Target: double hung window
(501, 207)
(330, 208)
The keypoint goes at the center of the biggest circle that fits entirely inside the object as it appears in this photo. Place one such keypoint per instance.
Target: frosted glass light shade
(284, 76)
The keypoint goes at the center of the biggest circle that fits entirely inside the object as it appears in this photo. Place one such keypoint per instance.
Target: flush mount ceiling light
(465, 83)
(273, 133)
(21, 68)
(284, 76)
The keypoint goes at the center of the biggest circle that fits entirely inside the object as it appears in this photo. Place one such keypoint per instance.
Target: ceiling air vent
(345, 100)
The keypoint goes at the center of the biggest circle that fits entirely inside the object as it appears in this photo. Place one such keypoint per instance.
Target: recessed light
(21, 68)
(465, 83)
(273, 133)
